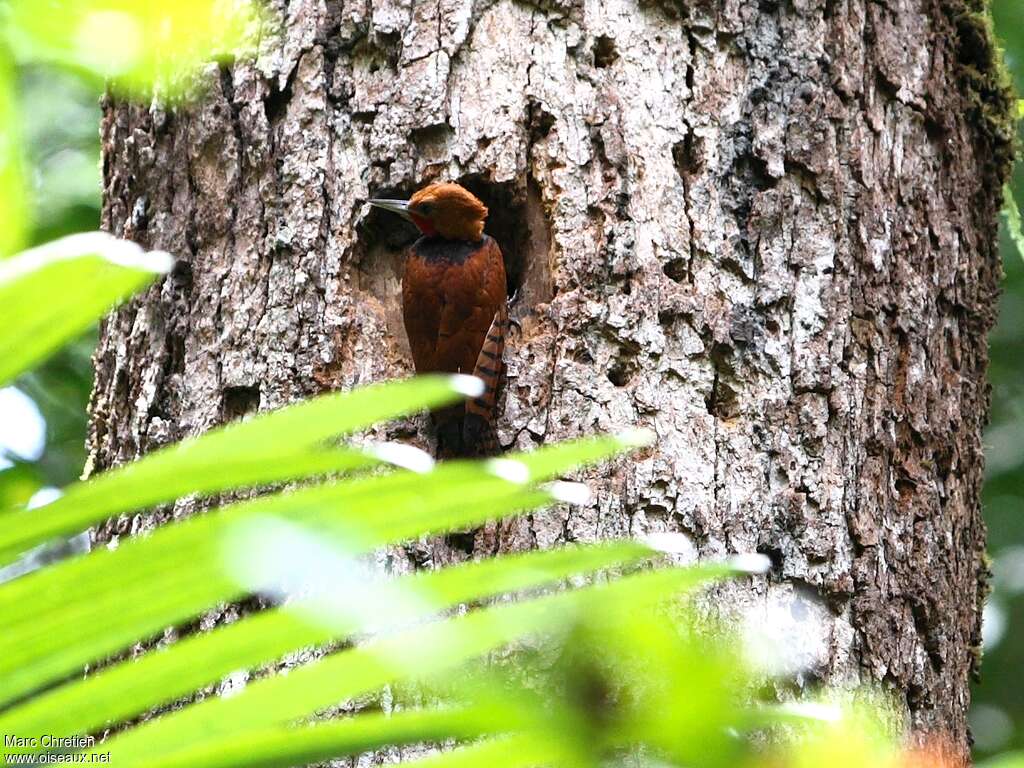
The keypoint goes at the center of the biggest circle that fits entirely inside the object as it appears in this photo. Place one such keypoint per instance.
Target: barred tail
(479, 437)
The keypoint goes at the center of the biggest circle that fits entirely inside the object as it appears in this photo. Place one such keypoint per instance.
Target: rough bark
(766, 231)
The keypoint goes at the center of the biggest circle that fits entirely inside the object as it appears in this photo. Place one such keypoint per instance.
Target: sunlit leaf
(14, 211)
(282, 746)
(50, 294)
(117, 597)
(272, 447)
(426, 650)
(1010, 760)
(860, 737)
(125, 690)
(111, 598)
(138, 45)
(1011, 214)
(17, 483)
(519, 751)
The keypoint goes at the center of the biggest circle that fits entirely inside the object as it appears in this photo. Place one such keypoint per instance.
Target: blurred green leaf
(998, 690)
(60, 388)
(1010, 760)
(1011, 214)
(272, 447)
(14, 211)
(18, 482)
(858, 737)
(282, 746)
(699, 688)
(111, 598)
(122, 691)
(506, 752)
(50, 294)
(426, 650)
(140, 46)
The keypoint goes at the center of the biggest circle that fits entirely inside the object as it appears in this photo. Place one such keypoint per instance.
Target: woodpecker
(454, 304)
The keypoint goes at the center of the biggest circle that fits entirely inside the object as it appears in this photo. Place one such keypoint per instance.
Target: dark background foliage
(61, 131)
(61, 117)
(998, 715)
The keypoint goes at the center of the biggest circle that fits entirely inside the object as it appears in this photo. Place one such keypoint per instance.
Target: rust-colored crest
(451, 210)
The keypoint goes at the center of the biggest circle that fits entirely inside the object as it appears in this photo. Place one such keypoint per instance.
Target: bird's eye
(425, 208)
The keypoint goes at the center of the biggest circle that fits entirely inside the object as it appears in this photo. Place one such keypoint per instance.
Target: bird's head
(445, 209)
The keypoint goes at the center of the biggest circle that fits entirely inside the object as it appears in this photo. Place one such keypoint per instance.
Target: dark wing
(456, 320)
(474, 292)
(448, 306)
(423, 301)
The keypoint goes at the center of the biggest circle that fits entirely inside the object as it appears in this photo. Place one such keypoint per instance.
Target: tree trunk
(765, 231)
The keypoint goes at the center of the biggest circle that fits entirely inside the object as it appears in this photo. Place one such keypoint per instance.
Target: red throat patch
(424, 225)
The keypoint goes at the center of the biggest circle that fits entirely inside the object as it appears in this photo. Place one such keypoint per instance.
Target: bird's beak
(401, 207)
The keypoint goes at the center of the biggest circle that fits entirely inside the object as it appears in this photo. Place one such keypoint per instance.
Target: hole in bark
(432, 142)
(975, 47)
(175, 353)
(753, 171)
(676, 269)
(749, 176)
(516, 220)
(622, 369)
(181, 274)
(725, 41)
(722, 402)
(618, 374)
(772, 553)
(386, 41)
(944, 461)
(240, 400)
(581, 355)
(539, 119)
(885, 86)
(463, 541)
(121, 386)
(519, 224)
(905, 486)
(604, 52)
(276, 103)
(924, 625)
(672, 9)
(688, 155)
(937, 132)
(658, 514)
